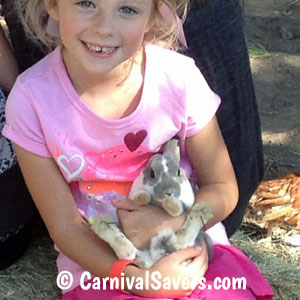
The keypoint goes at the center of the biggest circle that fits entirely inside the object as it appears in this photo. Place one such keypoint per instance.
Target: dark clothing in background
(17, 211)
(216, 41)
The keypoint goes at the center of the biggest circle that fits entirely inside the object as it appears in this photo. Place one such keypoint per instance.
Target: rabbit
(162, 183)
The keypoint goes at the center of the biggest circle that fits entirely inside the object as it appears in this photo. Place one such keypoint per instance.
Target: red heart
(134, 140)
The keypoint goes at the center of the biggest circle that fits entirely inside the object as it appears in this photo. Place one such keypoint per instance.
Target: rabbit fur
(162, 183)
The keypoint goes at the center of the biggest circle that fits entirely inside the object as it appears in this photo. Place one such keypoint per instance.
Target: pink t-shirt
(98, 157)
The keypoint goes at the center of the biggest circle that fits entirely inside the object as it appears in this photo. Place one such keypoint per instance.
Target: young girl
(86, 119)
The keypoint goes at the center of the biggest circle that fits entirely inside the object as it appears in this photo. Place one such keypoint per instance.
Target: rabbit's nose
(169, 194)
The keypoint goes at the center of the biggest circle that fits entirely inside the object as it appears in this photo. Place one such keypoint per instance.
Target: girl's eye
(86, 4)
(127, 10)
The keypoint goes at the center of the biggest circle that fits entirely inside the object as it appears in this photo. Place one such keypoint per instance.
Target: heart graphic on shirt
(72, 166)
(134, 140)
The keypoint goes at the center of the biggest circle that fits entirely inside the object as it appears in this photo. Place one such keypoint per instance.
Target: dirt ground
(273, 26)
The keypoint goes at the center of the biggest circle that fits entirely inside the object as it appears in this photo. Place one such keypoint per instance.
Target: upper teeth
(100, 49)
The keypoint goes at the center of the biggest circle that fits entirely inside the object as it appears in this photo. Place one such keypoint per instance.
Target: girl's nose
(103, 24)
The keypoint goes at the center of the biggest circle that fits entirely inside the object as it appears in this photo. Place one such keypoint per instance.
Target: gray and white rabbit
(162, 183)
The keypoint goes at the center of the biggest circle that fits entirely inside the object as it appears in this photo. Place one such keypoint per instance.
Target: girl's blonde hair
(164, 31)
(35, 18)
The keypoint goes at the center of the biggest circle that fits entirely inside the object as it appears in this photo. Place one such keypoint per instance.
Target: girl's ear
(52, 9)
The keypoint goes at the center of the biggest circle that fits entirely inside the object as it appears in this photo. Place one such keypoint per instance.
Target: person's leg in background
(16, 216)
(16, 206)
(216, 41)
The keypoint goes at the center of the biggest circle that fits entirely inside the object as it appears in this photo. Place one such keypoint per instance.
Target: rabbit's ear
(172, 150)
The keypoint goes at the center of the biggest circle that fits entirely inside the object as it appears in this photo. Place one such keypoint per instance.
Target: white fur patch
(164, 164)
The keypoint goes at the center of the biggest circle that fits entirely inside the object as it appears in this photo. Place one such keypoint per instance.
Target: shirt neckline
(76, 100)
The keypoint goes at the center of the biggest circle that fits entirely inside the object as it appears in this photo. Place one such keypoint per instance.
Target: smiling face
(99, 36)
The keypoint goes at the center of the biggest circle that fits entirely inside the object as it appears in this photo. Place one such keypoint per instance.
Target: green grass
(257, 50)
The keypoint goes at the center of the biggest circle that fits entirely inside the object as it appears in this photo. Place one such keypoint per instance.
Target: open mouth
(99, 49)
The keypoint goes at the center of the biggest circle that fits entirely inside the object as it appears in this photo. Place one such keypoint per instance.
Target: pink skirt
(227, 262)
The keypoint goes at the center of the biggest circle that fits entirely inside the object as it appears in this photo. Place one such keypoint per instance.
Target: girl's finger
(125, 204)
(199, 261)
(203, 257)
(123, 214)
(187, 253)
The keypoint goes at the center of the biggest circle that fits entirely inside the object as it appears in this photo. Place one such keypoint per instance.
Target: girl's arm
(8, 64)
(215, 174)
(57, 207)
(74, 237)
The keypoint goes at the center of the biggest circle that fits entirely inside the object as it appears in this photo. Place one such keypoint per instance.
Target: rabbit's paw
(141, 198)
(171, 207)
(140, 262)
(202, 210)
(101, 223)
(125, 249)
(143, 259)
(111, 233)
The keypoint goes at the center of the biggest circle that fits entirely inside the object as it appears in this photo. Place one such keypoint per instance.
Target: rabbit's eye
(179, 173)
(152, 174)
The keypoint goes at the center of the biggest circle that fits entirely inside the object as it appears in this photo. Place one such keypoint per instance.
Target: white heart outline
(70, 175)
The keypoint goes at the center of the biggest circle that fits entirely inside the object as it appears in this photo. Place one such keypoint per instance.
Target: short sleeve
(23, 125)
(201, 102)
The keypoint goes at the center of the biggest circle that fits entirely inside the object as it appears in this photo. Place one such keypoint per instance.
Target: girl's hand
(170, 278)
(141, 223)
